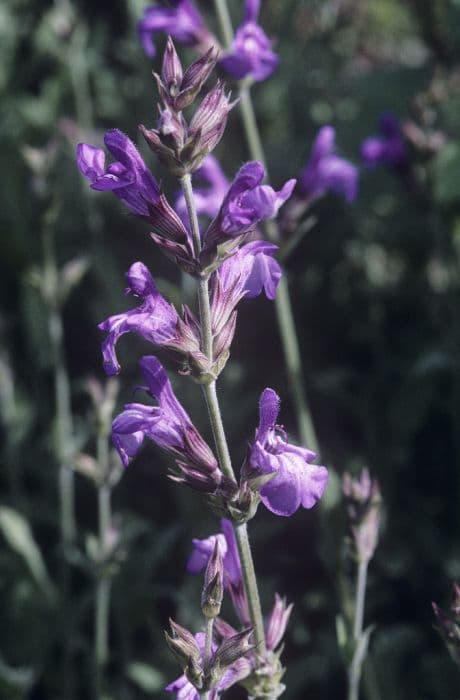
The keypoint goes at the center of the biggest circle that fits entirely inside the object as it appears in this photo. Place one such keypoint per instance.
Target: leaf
(446, 167)
(18, 534)
(146, 677)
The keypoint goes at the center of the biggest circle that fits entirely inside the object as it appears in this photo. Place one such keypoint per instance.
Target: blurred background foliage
(376, 288)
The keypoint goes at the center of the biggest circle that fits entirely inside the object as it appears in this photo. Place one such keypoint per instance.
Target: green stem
(207, 650)
(360, 600)
(101, 652)
(218, 430)
(355, 669)
(224, 20)
(103, 583)
(64, 436)
(203, 292)
(64, 423)
(283, 304)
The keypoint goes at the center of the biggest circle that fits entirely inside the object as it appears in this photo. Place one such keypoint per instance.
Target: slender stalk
(207, 649)
(360, 600)
(203, 292)
(355, 669)
(283, 304)
(224, 21)
(101, 652)
(220, 439)
(64, 423)
(104, 582)
(64, 436)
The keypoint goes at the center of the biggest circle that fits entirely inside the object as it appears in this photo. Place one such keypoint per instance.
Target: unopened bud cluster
(179, 145)
(363, 504)
(448, 624)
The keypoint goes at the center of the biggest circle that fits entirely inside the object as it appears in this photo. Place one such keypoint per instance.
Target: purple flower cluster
(326, 171)
(296, 481)
(233, 581)
(250, 55)
(181, 20)
(128, 177)
(388, 148)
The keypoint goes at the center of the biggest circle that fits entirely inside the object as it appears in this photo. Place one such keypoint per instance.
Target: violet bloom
(326, 171)
(245, 274)
(246, 203)
(208, 195)
(203, 549)
(251, 270)
(233, 577)
(181, 20)
(168, 426)
(128, 177)
(251, 52)
(276, 624)
(154, 319)
(389, 148)
(297, 482)
(237, 671)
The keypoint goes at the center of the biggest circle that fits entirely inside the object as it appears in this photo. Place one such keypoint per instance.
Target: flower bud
(233, 648)
(363, 504)
(183, 645)
(213, 589)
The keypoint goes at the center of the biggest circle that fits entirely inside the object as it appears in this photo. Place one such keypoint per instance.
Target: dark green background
(376, 293)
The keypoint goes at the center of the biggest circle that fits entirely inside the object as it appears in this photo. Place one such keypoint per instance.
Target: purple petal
(232, 564)
(160, 387)
(128, 434)
(252, 10)
(282, 495)
(90, 161)
(324, 144)
(313, 484)
(269, 408)
(202, 550)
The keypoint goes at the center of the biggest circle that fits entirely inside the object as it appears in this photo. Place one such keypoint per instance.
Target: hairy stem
(217, 425)
(354, 671)
(283, 304)
(64, 423)
(101, 618)
(103, 582)
(63, 444)
(207, 649)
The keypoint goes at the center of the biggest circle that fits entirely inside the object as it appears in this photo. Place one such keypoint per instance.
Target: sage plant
(363, 507)
(248, 58)
(228, 265)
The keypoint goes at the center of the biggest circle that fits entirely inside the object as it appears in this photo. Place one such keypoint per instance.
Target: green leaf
(146, 677)
(18, 534)
(446, 168)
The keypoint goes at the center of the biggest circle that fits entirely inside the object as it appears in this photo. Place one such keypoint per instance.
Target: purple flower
(169, 427)
(236, 672)
(251, 51)
(387, 149)
(250, 270)
(277, 622)
(203, 549)
(297, 482)
(155, 319)
(208, 197)
(245, 274)
(326, 171)
(233, 578)
(246, 203)
(128, 177)
(181, 20)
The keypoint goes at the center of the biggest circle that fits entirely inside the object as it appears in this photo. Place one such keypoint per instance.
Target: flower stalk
(283, 304)
(220, 439)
